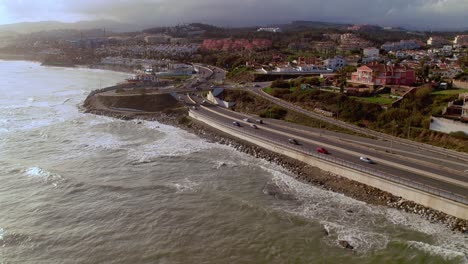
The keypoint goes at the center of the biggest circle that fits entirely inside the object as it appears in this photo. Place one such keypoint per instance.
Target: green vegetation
(241, 73)
(250, 103)
(381, 99)
(450, 92)
(410, 119)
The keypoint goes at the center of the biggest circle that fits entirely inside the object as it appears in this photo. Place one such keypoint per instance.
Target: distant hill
(312, 24)
(30, 27)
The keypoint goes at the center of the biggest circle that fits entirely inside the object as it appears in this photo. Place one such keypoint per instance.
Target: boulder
(345, 244)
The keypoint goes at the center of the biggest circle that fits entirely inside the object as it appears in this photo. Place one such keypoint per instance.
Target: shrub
(459, 135)
(275, 112)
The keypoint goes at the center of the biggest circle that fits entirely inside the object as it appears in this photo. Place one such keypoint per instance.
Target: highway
(415, 145)
(430, 169)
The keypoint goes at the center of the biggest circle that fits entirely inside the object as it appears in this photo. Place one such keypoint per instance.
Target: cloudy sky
(415, 13)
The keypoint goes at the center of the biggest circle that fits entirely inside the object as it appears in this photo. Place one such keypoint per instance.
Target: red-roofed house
(377, 74)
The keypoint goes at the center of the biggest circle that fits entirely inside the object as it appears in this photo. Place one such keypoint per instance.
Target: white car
(366, 160)
(254, 126)
(246, 120)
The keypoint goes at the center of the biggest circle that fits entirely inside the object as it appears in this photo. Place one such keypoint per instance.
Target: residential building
(236, 44)
(461, 40)
(335, 63)
(363, 28)
(437, 41)
(402, 45)
(324, 46)
(350, 42)
(158, 39)
(377, 74)
(269, 29)
(371, 52)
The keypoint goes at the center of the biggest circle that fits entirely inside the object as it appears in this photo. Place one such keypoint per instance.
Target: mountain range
(30, 27)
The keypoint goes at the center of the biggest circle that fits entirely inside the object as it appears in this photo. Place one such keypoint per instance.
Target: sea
(82, 188)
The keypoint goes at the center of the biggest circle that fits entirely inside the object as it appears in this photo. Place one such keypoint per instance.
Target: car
(257, 85)
(236, 123)
(259, 121)
(293, 141)
(194, 108)
(254, 126)
(366, 160)
(322, 150)
(242, 83)
(246, 120)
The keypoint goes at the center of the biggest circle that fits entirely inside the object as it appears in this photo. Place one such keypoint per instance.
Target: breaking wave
(446, 254)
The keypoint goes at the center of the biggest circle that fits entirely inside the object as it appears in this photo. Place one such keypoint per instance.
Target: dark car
(293, 141)
(236, 123)
(322, 150)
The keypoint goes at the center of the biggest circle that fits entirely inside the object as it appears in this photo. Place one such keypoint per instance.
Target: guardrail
(390, 177)
(340, 123)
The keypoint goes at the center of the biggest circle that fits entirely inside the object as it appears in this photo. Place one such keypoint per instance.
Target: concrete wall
(460, 84)
(438, 203)
(447, 125)
(217, 101)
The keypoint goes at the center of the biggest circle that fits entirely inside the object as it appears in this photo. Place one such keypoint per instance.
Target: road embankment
(356, 184)
(162, 107)
(173, 114)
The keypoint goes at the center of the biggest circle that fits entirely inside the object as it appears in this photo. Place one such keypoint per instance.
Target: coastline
(301, 171)
(35, 59)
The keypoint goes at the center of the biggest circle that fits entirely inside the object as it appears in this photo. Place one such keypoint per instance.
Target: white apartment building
(335, 63)
(371, 52)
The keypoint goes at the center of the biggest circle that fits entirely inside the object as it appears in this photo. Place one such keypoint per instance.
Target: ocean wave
(362, 240)
(184, 186)
(361, 224)
(445, 253)
(218, 164)
(174, 143)
(39, 173)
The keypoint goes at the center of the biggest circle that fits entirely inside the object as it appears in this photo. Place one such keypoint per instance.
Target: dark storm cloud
(418, 13)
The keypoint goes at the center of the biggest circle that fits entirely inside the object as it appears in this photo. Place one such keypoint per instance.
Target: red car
(322, 150)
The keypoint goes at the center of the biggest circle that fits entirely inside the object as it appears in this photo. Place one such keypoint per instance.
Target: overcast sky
(414, 13)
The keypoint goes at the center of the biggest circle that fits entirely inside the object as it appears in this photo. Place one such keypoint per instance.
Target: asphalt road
(437, 171)
(415, 145)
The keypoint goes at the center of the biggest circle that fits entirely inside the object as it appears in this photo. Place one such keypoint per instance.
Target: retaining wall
(447, 125)
(460, 84)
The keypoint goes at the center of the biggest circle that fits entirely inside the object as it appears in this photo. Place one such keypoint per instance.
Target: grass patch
(450, 92)
(382, 99)
(268, 90)
(250, 103)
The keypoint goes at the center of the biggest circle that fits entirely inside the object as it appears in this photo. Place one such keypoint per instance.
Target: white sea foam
(174, 143)
(37, 172)
(44, 175)
(445, 253)
(185, 186)
(362, 226)
(97, 140)
(362, 240)
(2, 233)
